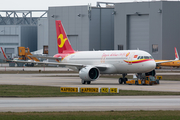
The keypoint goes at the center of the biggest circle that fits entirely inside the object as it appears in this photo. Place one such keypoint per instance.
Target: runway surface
(52, 80)
(105, 103)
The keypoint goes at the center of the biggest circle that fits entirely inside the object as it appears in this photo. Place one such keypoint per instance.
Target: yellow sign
(90, 90)
(114, 90)
(105, 90)
(159, 77)
(69, 89)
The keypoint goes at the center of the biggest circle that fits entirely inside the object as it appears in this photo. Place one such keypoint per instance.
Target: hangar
(18, 28)
(151, 26)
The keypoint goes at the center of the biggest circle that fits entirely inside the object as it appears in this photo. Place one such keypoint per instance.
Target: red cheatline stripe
(138, 61)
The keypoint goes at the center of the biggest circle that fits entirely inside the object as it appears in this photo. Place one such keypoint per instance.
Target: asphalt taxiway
(70, 81)
(94, 103)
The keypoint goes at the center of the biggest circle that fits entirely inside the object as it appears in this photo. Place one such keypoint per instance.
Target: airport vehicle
(23, 56)
(148, 80)
(91, 64)
(24, 53)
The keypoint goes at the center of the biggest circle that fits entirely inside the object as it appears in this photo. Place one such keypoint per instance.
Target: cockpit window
(145, 57)
(150, 57)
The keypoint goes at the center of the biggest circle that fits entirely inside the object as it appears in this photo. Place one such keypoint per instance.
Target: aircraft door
(130, 58)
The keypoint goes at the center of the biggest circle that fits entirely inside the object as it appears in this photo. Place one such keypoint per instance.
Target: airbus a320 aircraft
(91, 64)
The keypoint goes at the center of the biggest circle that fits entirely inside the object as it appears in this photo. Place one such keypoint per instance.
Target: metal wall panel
(95, 37)
(138, 32)
(121, 31)
(29, 37)
(9, 50)
(10, 39)
(170, 28)
(76, 27)
(102, 29)
(42, 33)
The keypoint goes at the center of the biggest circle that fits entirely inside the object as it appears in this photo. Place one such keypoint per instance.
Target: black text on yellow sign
(69, 89)
(105, 90)
(114, 90)
(90, 90)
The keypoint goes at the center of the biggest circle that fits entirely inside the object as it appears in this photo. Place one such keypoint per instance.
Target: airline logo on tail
(62, 40)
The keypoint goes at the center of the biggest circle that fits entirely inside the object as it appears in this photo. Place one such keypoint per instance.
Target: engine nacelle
(89, 73)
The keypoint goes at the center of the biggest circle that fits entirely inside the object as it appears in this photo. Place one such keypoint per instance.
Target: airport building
(152, 26)
(18, 28)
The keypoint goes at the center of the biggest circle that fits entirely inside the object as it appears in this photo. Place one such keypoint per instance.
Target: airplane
(90, 64)
(169, 64)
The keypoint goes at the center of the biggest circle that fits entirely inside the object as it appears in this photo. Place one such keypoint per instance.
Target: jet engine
(89, 73)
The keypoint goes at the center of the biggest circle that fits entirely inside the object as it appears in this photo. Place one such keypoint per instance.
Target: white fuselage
(119, 61)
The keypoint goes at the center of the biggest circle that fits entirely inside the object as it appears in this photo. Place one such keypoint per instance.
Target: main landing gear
(84, 82)
(123, 79)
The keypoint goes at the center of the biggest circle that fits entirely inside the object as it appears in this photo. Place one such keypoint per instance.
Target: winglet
(3, 53)
(176, 54)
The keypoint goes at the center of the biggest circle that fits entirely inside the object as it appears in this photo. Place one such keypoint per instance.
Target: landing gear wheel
(83, 82)
(125, 79)
(88, 82)
(120, 80)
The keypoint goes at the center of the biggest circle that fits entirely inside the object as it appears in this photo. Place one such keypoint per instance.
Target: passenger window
(138, 58)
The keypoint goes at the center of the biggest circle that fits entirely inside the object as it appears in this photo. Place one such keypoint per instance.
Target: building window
(154, 48)
(120, 47)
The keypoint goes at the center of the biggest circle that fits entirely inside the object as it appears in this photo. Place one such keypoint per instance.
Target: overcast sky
(44, 4)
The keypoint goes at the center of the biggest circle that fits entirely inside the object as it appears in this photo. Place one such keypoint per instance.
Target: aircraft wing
(101, 67)
(45, 57)
(50, 63)
(176, 58)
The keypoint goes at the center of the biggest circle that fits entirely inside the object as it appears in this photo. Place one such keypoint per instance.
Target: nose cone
(150, 65)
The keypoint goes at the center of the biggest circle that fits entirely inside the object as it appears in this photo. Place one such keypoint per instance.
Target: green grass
(44, 91)
(116, 115)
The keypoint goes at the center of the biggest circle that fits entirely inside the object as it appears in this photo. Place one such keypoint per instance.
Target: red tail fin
(62, 41)
(3, 53)
(176, 54)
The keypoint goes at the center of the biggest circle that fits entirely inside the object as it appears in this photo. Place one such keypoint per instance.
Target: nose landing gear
(123, 79)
